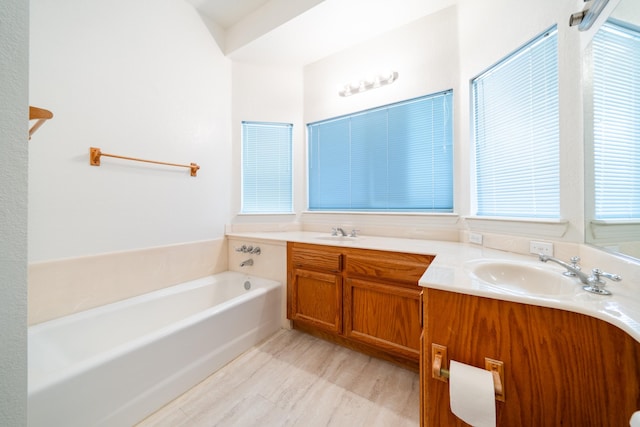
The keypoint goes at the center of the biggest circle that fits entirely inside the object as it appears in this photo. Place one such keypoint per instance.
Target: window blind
(393, 158)
(267, 168)
(516, 133)
(616, 110)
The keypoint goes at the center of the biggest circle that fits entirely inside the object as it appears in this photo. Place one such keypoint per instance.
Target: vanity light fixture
(585, 19)
(368, 83)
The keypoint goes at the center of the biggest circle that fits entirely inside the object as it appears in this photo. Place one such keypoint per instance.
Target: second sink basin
(340, 238)
(522, 277)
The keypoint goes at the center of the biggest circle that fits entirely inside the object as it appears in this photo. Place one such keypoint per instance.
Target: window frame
(243, 202)
(478, 216)
(448, 97)
(598, 130)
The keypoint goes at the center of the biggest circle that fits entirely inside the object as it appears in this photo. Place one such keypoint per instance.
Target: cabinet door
(316, 299)
(383, 315)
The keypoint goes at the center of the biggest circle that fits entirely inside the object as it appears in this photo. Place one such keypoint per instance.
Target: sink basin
(523, 278)
(339, 238)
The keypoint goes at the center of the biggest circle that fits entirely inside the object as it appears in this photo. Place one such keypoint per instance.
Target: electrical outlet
(544, 248)
(475, 238)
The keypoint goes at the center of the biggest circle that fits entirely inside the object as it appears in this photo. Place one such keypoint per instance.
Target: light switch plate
(544, 248)
(475, 238)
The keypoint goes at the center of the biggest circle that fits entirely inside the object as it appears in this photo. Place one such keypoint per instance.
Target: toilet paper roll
(472, 395)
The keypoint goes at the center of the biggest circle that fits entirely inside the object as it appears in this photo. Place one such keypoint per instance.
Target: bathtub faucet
(246, 262)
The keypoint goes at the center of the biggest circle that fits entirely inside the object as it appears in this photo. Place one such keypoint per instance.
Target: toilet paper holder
(439, 371)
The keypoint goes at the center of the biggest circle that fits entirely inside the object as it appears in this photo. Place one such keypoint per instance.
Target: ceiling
(226, 13)
(296, 33)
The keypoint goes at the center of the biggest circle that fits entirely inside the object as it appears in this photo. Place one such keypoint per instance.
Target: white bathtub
(116, 364)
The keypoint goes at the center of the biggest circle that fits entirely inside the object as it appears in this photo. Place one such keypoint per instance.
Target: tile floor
(294, 379)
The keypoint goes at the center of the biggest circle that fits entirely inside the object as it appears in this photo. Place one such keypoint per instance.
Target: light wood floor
(294, 379)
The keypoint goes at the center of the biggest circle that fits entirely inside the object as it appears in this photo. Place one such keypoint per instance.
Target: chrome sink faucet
(338, 231)
(572, 270)
(592, 283)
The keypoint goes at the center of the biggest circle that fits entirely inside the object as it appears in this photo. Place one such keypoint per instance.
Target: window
(266, 168)
(616, 117)
(516, 132)
(393, 158)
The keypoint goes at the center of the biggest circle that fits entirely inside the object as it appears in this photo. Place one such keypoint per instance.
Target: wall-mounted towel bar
(95, 154)
(39, 114)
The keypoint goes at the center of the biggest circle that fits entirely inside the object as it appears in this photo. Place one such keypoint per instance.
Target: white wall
(446, 50)
(489, 31)
(142, 79)
(14, 39)
(267, 94)
(422, 52)
(424, 55)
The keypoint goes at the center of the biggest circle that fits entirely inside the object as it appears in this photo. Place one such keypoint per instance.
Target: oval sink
(339, 238)
(523, 278)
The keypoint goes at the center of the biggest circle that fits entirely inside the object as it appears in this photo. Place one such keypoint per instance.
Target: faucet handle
(597, 285)
(334, 231)
(354, 233)
(597, 273)
(574, 263)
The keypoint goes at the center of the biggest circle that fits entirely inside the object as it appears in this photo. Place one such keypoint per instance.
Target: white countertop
(449, 271)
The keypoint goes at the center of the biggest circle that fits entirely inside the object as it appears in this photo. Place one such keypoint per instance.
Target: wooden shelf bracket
(39, 114)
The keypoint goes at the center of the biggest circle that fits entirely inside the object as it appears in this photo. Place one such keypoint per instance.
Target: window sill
(384, 217)
(615, 230)
(265, 214)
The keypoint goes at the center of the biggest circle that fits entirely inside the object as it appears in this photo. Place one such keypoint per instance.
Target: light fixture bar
(369, 83)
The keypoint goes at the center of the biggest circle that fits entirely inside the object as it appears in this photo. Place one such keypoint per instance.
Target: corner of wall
(14, 86)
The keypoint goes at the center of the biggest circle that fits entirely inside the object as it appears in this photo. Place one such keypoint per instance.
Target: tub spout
(246, 262)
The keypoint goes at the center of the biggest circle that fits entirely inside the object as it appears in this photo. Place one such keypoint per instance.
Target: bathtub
(116, 364)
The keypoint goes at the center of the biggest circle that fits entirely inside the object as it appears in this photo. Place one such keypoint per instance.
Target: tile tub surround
(62, 287)
(294, 379)
(270, 264)
(448, 271)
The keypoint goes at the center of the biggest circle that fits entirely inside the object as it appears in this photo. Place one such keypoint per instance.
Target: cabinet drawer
(316, 260)
(397, 267)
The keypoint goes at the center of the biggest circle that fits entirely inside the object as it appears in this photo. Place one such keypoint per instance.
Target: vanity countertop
(449, 271)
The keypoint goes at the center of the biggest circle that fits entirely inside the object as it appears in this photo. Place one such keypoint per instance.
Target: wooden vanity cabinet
(561, 368)
(368, 300)
(314, 292)
(382, 300)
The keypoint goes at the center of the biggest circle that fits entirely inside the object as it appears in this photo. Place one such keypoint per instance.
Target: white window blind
(616, 109)
(516, 132)
(394, 158)
(266, 168)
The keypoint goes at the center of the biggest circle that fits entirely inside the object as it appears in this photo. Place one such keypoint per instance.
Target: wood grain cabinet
(561, 368)
(315, 288)
(367, 300)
